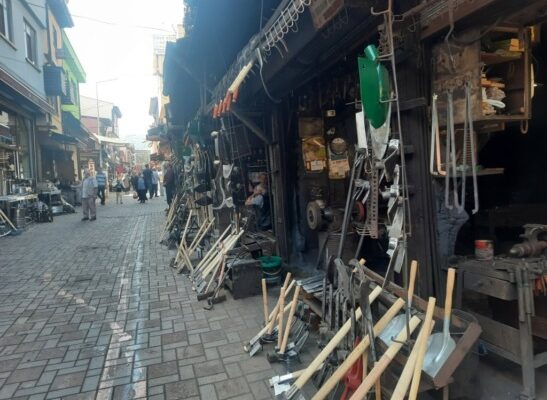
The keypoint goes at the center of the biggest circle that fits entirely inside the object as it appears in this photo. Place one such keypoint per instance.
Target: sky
(113, 40)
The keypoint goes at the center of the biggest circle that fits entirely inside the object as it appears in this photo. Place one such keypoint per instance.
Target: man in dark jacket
(147, 175)
(169, 183)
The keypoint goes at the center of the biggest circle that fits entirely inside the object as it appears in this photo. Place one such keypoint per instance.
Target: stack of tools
(390, 351)
(288, 334)
(211, 269)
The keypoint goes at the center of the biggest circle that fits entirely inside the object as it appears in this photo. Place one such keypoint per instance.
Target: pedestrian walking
(141, 189)
(147, 175)
(101, 181)
(89, 195)
(119, 188)
(126, 182)
(134, 181)
(155, 182)
(169, 183)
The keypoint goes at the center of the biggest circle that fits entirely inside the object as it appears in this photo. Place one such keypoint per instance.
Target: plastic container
(484, 250)
(271, 268)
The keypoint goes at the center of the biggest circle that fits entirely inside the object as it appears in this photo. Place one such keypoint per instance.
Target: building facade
(23, 100)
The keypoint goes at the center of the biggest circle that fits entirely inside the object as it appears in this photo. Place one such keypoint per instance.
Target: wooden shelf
(502, 118)
(482, 172)
(493, 58)
(8, 147)
(489, 171)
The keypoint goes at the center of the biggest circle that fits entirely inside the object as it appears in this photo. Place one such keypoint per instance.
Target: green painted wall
(75, 74)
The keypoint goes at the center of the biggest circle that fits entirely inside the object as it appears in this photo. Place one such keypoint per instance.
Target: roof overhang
(25, 91)
(59, 8)
(65, 139)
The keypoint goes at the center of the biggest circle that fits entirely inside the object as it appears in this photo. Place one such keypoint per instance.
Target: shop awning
(65, 139)
(73, 127)
(110, 140)
(156, 133)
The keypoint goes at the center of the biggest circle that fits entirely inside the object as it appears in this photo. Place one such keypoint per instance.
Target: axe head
(255, 349)
(280, 388)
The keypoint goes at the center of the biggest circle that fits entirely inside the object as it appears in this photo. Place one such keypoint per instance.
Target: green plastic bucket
(271, 268)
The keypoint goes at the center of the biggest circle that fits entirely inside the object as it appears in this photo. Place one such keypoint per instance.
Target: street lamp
(99, 118)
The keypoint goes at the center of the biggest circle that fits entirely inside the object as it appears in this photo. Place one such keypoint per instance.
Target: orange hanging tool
(228, 101)
(235, 95)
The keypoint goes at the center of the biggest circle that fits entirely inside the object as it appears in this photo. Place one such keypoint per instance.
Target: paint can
(484, 250)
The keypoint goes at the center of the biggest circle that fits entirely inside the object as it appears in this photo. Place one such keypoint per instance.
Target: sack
(135, 195)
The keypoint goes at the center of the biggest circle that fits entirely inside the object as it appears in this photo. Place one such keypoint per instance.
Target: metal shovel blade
(392, 329)
(439, 348)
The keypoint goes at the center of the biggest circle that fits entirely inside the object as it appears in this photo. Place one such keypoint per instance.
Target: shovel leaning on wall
(441, 345)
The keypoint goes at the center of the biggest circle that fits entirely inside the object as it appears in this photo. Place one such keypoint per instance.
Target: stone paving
(91, 310)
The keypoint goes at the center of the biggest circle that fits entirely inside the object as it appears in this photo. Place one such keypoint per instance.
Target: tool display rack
(510, 280)
(455, 64)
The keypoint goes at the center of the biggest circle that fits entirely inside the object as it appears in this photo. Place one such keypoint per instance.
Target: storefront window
(17, 159)
(24, 145)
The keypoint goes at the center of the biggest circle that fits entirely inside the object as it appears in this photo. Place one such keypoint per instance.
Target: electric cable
(261, 64)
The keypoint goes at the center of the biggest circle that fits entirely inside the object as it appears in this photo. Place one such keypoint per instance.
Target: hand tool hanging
(435, 165)
(469, 138)
(450, 155)
(355, 172)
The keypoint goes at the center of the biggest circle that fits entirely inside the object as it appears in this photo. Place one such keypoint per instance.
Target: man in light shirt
(155, 183)
(89, 195)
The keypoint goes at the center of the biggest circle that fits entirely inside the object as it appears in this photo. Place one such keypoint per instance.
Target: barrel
(19, 217)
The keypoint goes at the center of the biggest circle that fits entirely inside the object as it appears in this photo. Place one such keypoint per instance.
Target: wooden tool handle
(281, 315)
(449, 290)
(331, 345)
(274, 315)
(416, 377)
(287, 280)
(265, 301)
(361, 348)
(378, 389)
(405, 378)
(413, 270)
(289, 321)
(384, 361)
(6, 219)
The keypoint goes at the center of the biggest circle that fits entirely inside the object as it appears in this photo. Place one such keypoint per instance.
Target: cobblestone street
(91, 310)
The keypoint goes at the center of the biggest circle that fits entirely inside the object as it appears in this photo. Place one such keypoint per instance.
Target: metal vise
(535, 241)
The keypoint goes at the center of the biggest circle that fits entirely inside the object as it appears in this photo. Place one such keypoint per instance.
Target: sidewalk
(92, 310)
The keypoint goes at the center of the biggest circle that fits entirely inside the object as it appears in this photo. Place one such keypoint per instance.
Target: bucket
(484, 250)
(271, 268)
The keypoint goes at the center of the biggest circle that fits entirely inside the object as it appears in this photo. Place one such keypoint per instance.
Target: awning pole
(250, 124)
